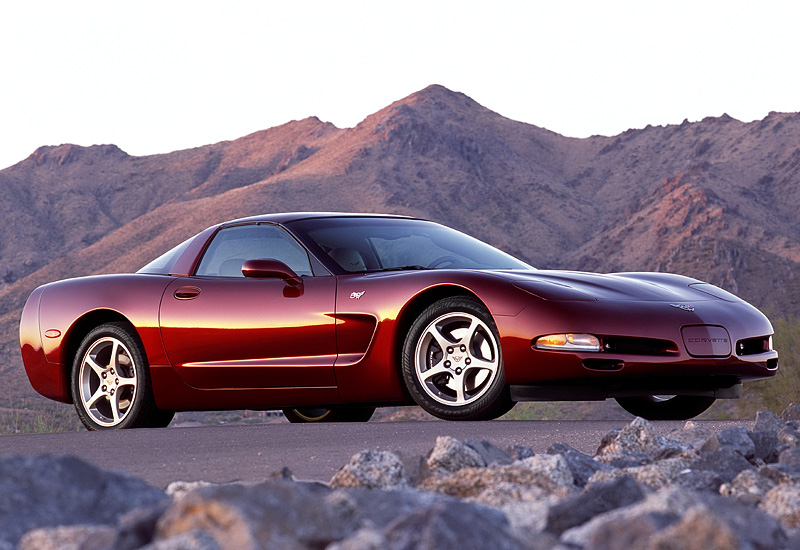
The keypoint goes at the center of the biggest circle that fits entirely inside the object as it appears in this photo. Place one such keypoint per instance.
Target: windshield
(388, 244)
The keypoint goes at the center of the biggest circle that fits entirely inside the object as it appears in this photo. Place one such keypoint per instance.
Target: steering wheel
(443, 260)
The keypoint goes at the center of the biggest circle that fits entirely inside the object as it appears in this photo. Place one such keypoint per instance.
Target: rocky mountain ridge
(713, 199)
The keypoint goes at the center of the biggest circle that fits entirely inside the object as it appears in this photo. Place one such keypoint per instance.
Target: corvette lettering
(708, 340)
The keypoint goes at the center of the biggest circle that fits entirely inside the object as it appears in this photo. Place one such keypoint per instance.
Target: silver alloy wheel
(660, 398)
(108, 381)
(310, 414)
(456, 359)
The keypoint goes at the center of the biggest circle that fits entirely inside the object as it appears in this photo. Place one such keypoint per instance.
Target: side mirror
(270, 269)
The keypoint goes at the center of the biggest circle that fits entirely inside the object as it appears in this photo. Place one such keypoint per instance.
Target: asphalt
(311, 451)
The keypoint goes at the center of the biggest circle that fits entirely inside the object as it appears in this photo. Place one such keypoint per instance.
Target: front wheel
(666, 407)
(111, 385)
(453, 364)
(320, 414)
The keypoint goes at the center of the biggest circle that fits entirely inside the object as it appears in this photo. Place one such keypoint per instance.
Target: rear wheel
(110, 382)
(321, 414)
(666, 407)
(453, 364)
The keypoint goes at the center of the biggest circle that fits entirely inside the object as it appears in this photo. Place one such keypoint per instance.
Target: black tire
(465, 380)
(676, 407)
(114, 393)
(303, 415)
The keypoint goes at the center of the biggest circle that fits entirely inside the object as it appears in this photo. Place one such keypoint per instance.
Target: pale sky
(157, 76)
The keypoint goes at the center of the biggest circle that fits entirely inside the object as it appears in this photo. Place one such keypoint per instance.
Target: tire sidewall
(679, 407)
(134, 347)
(492, 402)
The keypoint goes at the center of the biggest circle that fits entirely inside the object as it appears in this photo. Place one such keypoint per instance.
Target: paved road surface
(312, 452)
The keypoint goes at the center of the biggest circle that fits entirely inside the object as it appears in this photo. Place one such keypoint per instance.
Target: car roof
(286, 217)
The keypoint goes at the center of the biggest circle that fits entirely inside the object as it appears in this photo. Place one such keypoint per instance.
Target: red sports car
(328, 316)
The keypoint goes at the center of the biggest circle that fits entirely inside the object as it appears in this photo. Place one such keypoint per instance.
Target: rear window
(164, 263)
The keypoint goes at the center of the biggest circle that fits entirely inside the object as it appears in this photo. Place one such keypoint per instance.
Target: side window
(233, 246)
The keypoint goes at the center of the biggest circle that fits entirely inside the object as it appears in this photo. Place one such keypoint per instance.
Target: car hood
(648, 287)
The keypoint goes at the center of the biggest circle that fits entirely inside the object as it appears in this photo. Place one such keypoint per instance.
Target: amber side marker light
(568, 342)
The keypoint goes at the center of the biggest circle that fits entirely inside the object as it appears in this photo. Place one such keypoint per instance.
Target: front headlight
(568, 342)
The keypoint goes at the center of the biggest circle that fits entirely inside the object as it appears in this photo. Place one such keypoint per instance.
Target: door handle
(187, 293)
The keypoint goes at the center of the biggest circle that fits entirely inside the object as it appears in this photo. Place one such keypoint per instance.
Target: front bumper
(691, 365)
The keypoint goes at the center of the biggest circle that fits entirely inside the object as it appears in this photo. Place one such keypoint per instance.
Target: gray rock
(371, 470)
(553, 468)
(415, 467)
(735, 439)
(52, 491)
(788, 437)
(793, 425)
(519, 452)
(726, 463)
(692, 434)
(597, 499)
(628, 532)
(765, 444)
(783, 502)
(656, 511)
(636, 439)
(778, 473)
(528, 519)
(751, 526)
(499, 485)
(367, 538)
(194, 540)
(74, 537)
(768, 420)
(790, 458)
(606, 440)
(792, 412)
(380, 508)
(698, 529)
(490, 453)
(655, 476)
(272, 515)
(699, 480)
(664, 511)
(748, 487)
(627, 460)
(178, 489)
(451, 525)
(451, 455)
(138, 527)
(581, 465)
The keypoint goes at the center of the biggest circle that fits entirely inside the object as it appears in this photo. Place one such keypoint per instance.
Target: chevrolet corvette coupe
(328, 315)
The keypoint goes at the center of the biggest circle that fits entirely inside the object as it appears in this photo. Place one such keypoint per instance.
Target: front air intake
(629, 345)
(753, 346)
(603, 364)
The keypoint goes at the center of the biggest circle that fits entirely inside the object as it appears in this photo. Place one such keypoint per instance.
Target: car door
(222, 330)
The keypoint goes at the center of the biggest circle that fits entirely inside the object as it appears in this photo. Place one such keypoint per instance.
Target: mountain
(715, 199)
